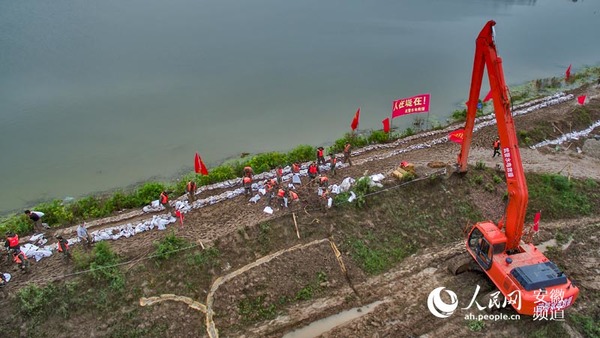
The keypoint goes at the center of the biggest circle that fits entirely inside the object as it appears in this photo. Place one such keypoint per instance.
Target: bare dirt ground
(238, 229)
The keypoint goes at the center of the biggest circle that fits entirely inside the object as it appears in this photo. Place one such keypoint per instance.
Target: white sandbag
(346, 184)
(268, 210)
(335, 189)
(377, 177)
(7, 277)
(296, 179)
(39, 213)
(35, 237)
(329, 202)
(255, 198)
(319, 192)
(262, 191)
(352, 196)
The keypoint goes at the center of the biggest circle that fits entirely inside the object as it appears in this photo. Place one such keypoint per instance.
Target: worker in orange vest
(191, 190)
(12, 245)
(292, 196)
(279, 174)
(320, 156)
(281, 197)
(269, 187)
(347, 151)
(496, 147)
(323, 182)
(247, 181)
(313, 171)
(248, 172)
(164, 200)
(332, 163)
(296, 168)
(63, 246)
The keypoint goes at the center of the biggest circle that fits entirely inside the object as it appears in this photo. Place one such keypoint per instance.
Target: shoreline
(523, 93)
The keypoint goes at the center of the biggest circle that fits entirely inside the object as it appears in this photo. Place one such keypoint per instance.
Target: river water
(97, 95)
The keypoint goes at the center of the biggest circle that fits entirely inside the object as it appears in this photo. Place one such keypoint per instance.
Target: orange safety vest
(312, 169)
(279, 172)
(295, 168)
(13, 241)
(164, 198)
(191, 186)
(347, 148)
(281, 193)
(497, 144)
(247, 180)
(59, 247)
(17, 257)
(293, 195)
(320, 153)
(333, 160)
(324, 179)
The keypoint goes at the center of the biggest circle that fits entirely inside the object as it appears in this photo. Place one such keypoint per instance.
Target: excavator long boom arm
(486, 58)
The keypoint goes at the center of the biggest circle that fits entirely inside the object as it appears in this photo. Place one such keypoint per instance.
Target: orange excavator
(516, 268)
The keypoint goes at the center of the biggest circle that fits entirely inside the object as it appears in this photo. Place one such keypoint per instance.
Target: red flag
(180, 216)
(536, 221)
(386, 125)
(488, 96)
(199, 166)
(457, 136)
(354, 124)
(581, 99)
(568, 73)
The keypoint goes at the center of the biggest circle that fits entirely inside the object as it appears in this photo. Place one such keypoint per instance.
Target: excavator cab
(497, 249)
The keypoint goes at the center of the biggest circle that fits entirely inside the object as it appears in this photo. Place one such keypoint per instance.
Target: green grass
(205, 258)
(169, 246)
(590, 327)
(558, 197)
(255, 309)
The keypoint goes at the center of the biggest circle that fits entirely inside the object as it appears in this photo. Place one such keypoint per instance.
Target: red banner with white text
(411, 105)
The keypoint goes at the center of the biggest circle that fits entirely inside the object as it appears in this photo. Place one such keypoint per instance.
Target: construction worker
(83, 235)
(63, 246)
(279, 174)
(296, 173)
(14, 249)
(496, 147)
(281, 197)
(36, 217)
(296, 168)
(292, 196)
(164, 200)
(247, 181)
(320, 157)
(269, 187)
(191, 190)
(332, 163)
(12, 241)
(248, 172)
(347, 151)
(323, 182)
(313, 171)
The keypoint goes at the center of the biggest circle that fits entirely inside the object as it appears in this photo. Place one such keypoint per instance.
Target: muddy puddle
(319, 327)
